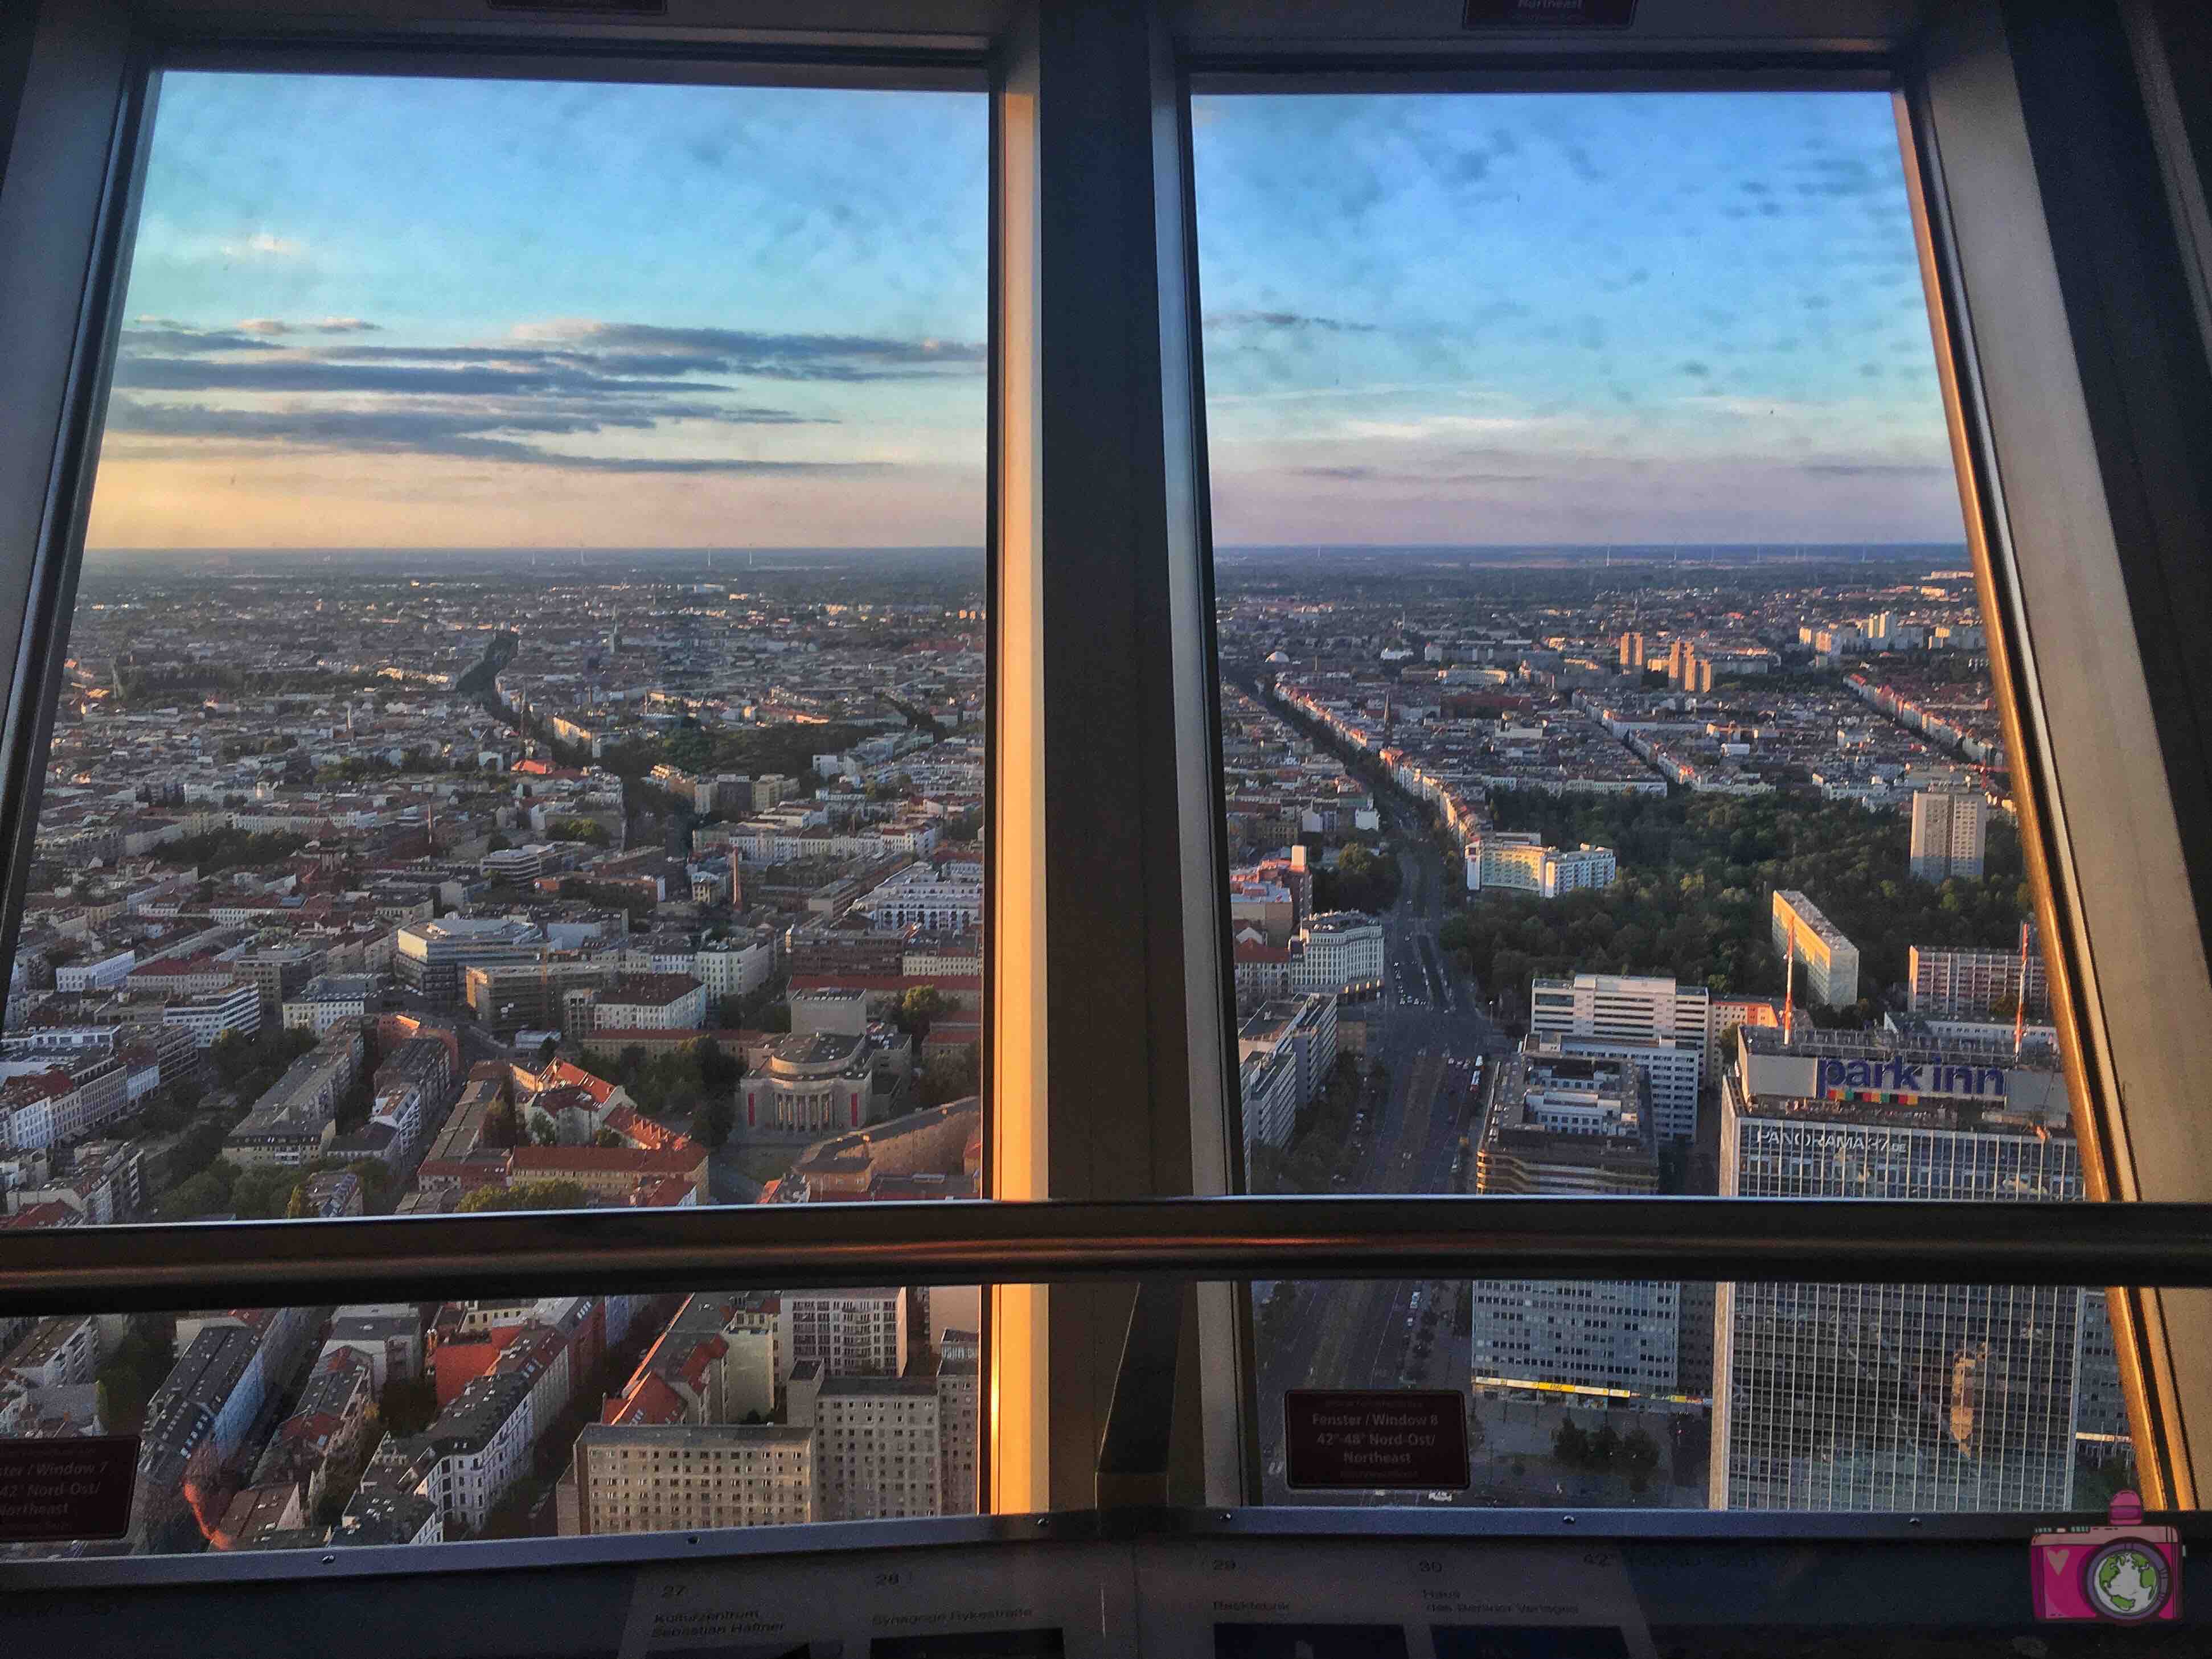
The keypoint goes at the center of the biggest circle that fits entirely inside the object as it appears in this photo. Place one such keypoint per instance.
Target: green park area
(1695, 894)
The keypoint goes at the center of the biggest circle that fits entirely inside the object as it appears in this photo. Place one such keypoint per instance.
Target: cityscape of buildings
(509, 888)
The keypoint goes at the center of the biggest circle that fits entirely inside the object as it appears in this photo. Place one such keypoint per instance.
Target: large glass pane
(1616, 797)
(423, 1423)
(522, 742)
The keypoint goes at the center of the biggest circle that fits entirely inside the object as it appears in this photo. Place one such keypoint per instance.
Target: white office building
(1829, 960)
(1951, 984)
(328, 998)
(1653, 1020)
(674, 1477)
(207, 1016)
(848, 1333)
(1889, 1397)
(1268, 1085)
(1950, 832)
(946, 898)
(1515, 862)
(1561, 1124)
(879, 1452)
(1339, 951)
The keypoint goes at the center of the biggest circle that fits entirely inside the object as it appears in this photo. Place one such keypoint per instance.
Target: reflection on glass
(1615, 790)
(521, 748)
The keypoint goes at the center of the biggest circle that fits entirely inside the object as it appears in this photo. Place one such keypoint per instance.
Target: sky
(415, 313)
(418, 312)
(1564, 319)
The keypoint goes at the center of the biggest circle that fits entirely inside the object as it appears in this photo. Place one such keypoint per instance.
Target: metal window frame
(578, 1559)
(1073, 1242)
(1082, 100)
(2135, 1026)
(2058, 262)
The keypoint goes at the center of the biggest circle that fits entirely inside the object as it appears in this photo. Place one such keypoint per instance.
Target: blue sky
(409, 313)
(420, 312)
(1585, 318)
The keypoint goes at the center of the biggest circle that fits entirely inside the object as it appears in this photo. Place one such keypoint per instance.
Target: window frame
(1132, 274)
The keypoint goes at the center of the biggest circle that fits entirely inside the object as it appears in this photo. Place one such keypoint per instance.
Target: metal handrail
(1872, 1241)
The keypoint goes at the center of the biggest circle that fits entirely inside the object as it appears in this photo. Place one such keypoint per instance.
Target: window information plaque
(67, 1489)
(1374, 1439)
(1549, 14)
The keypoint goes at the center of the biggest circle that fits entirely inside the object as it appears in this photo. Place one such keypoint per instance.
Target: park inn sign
(1900, 1076)
(1903, 1079)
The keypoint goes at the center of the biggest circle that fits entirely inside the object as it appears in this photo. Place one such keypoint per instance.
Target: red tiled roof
(51, 1213)
(628, 1160)
(649, 1401)
(886, 982)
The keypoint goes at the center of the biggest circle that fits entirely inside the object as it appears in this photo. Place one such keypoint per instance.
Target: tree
(947, 1077)
(296, 1208)
(496, 843)
(716, 1069)
(915, 1008)
(1361, 880)
(128, 1375)
(207, 1193)
(588, 831)
(1604, 1447)
(607, 1137)
(712, 1126)
(547, 1049)
(261, 1193)
(526, 1195)
(543, 1130)
(1639, 1456)
(1570, 1447)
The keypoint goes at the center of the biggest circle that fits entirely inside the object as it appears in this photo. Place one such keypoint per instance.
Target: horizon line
(1617, 547)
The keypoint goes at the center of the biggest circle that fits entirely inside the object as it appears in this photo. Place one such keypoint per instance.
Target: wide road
(1426, 1030)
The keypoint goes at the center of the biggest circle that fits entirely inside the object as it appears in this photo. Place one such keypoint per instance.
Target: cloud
(319, 385)
(263, 244)
(610, 349)
(1876, 470)
(158, 334)
(290, 372)
(273, 326)
(763, 355)
(464, 434)
(1285, 321)
(1383, 475)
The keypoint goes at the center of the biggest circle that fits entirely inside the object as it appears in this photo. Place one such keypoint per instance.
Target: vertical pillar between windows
(1019, 1407)
(69, 105)
(2082, 417)
(1109, 1064)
